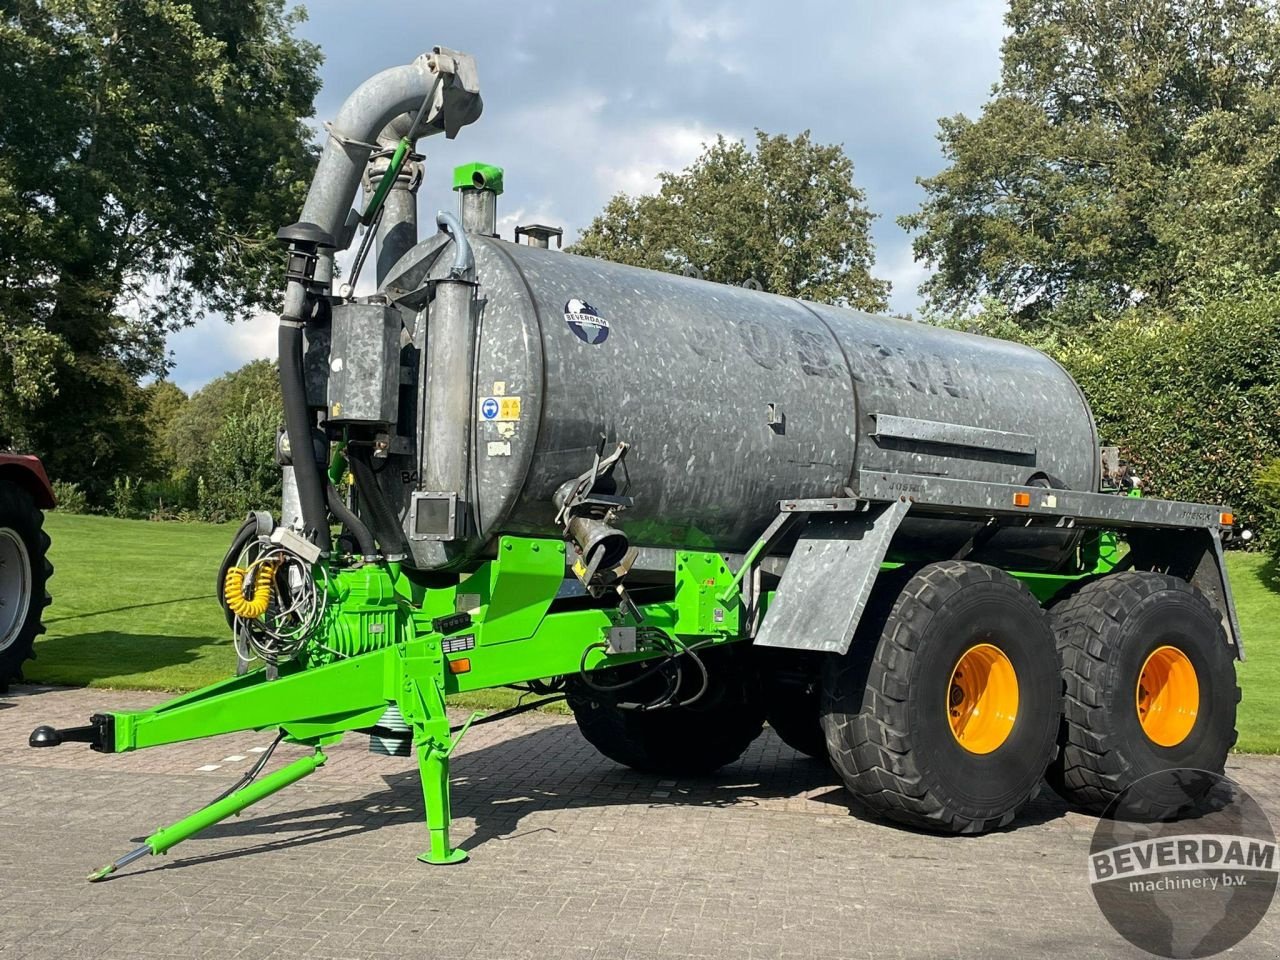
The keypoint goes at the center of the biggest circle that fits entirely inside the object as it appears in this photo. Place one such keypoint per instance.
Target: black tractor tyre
(1106, 632)
(676, 741)
(889, 704)
(791, 683)
(24, 573)
(794, 714)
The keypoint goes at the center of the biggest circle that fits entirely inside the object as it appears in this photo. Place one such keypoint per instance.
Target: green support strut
(167, 837)
(433, 767)
(433, 744)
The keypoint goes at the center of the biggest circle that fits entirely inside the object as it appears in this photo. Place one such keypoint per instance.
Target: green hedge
(1269, 490)
(1193, 401)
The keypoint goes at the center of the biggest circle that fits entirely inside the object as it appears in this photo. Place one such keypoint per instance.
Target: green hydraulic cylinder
(170, 836)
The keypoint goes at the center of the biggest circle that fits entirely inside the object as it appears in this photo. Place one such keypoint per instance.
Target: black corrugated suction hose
(297, 422)
(242, 537)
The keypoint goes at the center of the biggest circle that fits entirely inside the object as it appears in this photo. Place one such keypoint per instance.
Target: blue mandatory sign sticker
(585, 322)
(489, 409)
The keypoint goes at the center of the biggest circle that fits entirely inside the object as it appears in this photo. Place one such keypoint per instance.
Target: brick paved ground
(572, 857)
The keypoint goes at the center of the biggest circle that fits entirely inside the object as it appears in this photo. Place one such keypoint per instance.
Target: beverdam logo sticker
(585, 322)
(1192, 885)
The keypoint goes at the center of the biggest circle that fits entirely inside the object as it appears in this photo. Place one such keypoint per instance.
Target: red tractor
(24, 566)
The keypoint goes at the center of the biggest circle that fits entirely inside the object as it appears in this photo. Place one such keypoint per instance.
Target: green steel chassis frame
(388, 639)
(512, 638)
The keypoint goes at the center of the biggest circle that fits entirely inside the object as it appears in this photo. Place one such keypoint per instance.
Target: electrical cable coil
(274, 621)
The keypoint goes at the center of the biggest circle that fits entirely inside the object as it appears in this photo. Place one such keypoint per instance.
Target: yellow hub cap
(1168, 696)
(982, 699)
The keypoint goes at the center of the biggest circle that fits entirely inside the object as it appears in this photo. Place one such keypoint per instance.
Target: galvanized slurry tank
(731, 399)
(467, 399)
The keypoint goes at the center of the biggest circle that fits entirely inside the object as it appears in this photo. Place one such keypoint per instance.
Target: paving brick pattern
(572, 857)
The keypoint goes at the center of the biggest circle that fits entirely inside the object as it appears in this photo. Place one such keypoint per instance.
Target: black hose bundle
(669, 669)
(386, 525)
(364, 538)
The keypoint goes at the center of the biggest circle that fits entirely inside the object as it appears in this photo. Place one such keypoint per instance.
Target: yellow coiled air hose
(254, 605)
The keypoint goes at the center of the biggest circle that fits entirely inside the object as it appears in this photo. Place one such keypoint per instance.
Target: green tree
(189, 436)
(240, 468)
(165, 402)
(148, 152)
(1269, 495)
(786, 214)
(1130, 153)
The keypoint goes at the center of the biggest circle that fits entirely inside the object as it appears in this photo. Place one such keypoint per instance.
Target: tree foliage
(210, 455)
(1269, 494)
(148, 152)
(240, 470)
(189, 435)
(1130, 153)
(786, 214)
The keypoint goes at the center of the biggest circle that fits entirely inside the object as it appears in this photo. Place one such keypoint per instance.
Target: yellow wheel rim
(982, 699)
(1168, 696)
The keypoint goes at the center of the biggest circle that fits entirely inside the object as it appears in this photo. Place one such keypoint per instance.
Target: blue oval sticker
(585, 322)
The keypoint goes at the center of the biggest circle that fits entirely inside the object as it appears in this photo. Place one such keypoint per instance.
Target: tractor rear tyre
(794, 715)
(1150, 686)
(24, 571)
(944, 713)
(677, 741)
(791, 683)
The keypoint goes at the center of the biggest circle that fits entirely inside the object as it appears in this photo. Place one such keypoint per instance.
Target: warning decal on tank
(499, 409)
(585, 322)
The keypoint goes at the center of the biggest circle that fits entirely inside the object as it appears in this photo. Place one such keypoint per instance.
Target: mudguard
(828, 579)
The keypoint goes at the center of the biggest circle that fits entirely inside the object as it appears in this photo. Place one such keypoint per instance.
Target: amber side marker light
(460, 666)
(1022, 499)
(1227, 519)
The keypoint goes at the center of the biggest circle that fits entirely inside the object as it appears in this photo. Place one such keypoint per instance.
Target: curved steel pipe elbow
(464, 260)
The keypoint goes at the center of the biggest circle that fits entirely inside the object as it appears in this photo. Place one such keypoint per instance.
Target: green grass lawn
(133, 605)
(134, 608)
(1255, 582)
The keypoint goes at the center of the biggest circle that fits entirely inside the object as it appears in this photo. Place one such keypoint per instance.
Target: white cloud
(637, 156)
(901, 269)
(212, 346)
(712, 37)
(584, 134)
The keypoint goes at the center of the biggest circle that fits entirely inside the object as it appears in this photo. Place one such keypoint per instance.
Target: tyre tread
(1091, 771)
(871, 748)
(18, 508)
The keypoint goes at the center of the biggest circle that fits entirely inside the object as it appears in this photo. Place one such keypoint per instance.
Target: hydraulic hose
(364, 538)
(385, 522)
(297, 422)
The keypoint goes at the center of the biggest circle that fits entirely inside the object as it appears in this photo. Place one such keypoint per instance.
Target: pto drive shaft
(166, 837)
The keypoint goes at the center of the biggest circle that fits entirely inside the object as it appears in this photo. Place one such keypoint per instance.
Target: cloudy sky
(584, 99)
